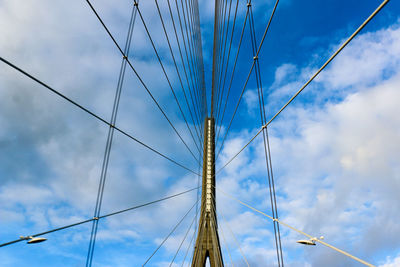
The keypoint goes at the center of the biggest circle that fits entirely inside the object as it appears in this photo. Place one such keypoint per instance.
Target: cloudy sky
(335, 149)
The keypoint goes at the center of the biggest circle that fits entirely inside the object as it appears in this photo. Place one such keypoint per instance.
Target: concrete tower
(207, 242)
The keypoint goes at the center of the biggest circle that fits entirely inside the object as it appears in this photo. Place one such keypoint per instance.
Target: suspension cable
(225, 70)
(234, 237)
(267, 152)
(167, 78)
(255, 58)
(213, 220)
(195, 108)
(180, 79)
(192, 44)
(109, 141)
(221, 51)
(183, 239)
(187, 250)
(97, 218)
(310, 80)
(191, 72)
(95, 115)
(214, 63)
(137, 74)
(232, 76)
(170, 233)
(226, 245)
(297, 230)
(189, 47)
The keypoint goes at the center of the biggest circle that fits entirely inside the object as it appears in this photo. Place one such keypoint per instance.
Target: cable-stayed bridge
(203, 112)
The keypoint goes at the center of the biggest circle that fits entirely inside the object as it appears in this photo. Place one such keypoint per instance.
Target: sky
(334, 150)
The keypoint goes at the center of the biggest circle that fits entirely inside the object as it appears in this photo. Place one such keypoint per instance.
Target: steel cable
(137, 74)
(309, 81)
(100, 217)
(170, 233)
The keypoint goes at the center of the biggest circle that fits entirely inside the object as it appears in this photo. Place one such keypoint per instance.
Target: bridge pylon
(207, 242)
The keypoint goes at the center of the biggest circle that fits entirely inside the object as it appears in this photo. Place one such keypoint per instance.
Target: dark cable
(227, 61)
(192, 88)
(94, 115)
(110, 136)
(191, 52)
(274, 209)
(180, 79)
(136, 73)
(195, 114)
(100, 217)
(379, 8)
(233, 73)
(248, 76)
(183, 240)
(169, 83)
(187, 250)
(170, 233)
(224, 35)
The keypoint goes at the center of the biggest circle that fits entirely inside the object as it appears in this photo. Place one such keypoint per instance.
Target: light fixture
(309, 242)
(33, 240)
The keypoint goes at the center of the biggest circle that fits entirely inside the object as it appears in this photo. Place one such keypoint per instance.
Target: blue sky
(335, 149)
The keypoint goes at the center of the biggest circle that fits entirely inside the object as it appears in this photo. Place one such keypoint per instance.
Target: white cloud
(335, 163)
(52, 152)
(284, 72)
(391, 262)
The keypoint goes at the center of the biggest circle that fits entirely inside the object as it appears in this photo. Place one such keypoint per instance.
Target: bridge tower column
(207, 242)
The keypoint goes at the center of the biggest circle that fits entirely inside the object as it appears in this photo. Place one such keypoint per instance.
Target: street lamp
(309, 242)
(33, 240)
